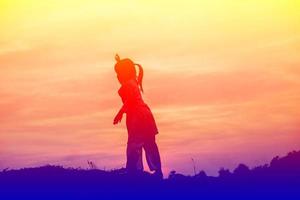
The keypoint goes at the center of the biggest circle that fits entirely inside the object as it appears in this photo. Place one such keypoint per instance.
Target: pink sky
(222, 79)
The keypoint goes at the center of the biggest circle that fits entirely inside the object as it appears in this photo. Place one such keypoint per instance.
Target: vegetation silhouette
(278, 180)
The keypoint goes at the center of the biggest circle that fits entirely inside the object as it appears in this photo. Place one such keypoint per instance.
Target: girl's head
(125, 69)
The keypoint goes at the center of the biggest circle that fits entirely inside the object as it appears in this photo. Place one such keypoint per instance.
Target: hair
(126, 69)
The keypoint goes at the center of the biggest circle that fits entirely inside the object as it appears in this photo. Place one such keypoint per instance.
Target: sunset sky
(222, 78)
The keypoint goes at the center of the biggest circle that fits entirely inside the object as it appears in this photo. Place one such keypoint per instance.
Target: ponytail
(140, 77)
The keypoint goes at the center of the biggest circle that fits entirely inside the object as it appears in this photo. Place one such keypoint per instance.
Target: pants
(134, 153)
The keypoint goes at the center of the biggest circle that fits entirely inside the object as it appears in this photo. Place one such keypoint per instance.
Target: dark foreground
(278, 180)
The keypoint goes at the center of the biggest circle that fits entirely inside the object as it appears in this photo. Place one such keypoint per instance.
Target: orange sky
(222, 78)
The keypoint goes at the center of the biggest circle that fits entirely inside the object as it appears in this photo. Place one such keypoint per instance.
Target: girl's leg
(134, 156)
(152, 154)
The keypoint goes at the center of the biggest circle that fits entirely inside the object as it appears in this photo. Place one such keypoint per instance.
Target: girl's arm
(128, 101)
(122, 110)
(119, 116)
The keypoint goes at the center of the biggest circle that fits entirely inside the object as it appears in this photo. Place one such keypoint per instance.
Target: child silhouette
(140, 122)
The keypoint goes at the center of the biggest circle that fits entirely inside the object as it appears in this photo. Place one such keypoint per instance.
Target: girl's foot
(158, 174)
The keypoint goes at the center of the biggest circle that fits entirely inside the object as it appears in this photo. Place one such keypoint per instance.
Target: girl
(140, 123)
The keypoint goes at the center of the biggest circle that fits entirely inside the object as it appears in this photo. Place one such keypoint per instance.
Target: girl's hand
(118, 118)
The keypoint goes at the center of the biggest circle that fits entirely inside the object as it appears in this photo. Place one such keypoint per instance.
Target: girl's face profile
(120, 79)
